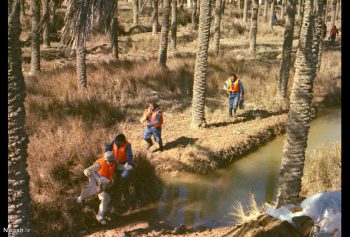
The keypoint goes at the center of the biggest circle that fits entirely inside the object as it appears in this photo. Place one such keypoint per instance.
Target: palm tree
(318, 39)
(286, 50)
(46, 33)
(181, 4)
(155, 17)
(337, 11)
(80, 18)
(173, 24)
(295, 143)
(114, 31)
(254, 27)
(201, 66)
(135, 9)
(217, 25)
(266, 9)
(23, 9)
(245, 11)
(164, 34)
(194, 14)
(272, 13)
(334, 11)
(282, 9)
(35, 53)
(300, 9)
(19, 201)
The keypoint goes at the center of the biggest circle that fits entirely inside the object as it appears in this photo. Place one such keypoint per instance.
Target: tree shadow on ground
(249, 115)
(180, 142)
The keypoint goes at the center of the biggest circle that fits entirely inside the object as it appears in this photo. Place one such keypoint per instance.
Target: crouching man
(100, 175)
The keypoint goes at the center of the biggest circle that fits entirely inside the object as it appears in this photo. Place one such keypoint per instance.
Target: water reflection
(208, 200)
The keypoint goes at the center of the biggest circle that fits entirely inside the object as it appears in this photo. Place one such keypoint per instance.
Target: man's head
(108, 156)
(234, 76)
(152, 105)
(119, 139)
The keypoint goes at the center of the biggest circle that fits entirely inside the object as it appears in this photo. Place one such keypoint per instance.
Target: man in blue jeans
(235, 91)
(154, 118)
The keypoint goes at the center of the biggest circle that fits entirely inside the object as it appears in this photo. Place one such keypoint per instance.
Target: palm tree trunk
(239, 7)
(173, 25)
(135, 10)
(223, 7)
(46, 33)
(155, 17)
(23, 9)
(164, 34)
(194, 14)
(217, 25)
(114, 32)
(299, 118)
(19, 201)
(326, 13)
(201, 66)
(266, 9)
(300, 9)
(254, 27)
(272, 13)
(282, 8)
(337, 11)
(181, 4)
(139, 2)
(81, 64)
(245, 11)
(334, 8)
(286, 50)
(35, 53)
(320, 21)
(198, 9)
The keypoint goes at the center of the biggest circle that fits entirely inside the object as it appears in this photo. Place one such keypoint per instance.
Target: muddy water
(208, 200)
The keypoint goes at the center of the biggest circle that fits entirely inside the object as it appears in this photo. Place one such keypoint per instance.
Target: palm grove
(82, 17)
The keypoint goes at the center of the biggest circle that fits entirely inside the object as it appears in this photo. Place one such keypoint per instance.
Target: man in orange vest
(333, 34)
(122, 152)
(100, 175)
(154, 118)
(235, 91)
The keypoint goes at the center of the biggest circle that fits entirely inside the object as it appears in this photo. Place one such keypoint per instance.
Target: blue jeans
(233, 100)
(156, 132)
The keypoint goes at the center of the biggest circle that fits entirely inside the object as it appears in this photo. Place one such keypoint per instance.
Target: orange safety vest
(232, 87)
(334, 31)
(154, 116)
(120, 152)
(106, 170)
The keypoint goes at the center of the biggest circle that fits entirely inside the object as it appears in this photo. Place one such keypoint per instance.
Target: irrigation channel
(207, 200)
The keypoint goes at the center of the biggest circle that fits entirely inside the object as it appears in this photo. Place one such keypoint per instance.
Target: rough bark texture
(245, 11)
(323, 12)
(19, 202)
(300, 9)
(46, 33)
(217, 25)
(201, 66)
(23, 9)
(164, 34)
(194, 14)
(318, 32)
(35, 53)
(155, 17)
(173, 24)
(334, 11)
(299, 115)
(286, 50)
(282, 9)
(135, 10)
(81, 64)
(272, 12)
(114, 32)
(254, 27)
(337, 11)
(266, 9)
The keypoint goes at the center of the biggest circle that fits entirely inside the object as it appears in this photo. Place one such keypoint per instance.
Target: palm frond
(83, 16)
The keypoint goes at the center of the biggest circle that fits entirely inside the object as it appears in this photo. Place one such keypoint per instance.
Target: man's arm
(93, 168)
(241, 89)
(109, 147)
(129, 155)
(150, 124)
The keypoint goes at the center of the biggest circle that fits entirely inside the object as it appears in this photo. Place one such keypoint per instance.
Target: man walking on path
(154, 118)
(333, 33)
(235, 91)
(122, 152)
(100, 175)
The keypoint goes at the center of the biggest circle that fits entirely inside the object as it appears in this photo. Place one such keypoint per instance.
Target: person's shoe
(161, 148)
(149, 144)
(80, 200)
(101, 220)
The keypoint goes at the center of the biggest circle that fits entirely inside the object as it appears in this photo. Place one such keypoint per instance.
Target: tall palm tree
(173, 24)
(114, 31)
(155, 23)
(217, 25)
(318, 39)
(272, 13)
(201, 66)
(300, 9)
(35, 53)
(337, 11)
(135, 14)
(46, 33)
(194, 14)
(254, 27)
(80, 18)
(286, 50)
(245, 11)
(23, 9)
(282, 9)
(19, 201)
(266, 10)
(181, 4)
(334, 11)
(164, 34)
(295, 143)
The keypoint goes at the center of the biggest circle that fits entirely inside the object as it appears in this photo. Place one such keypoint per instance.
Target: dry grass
(322, 171)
